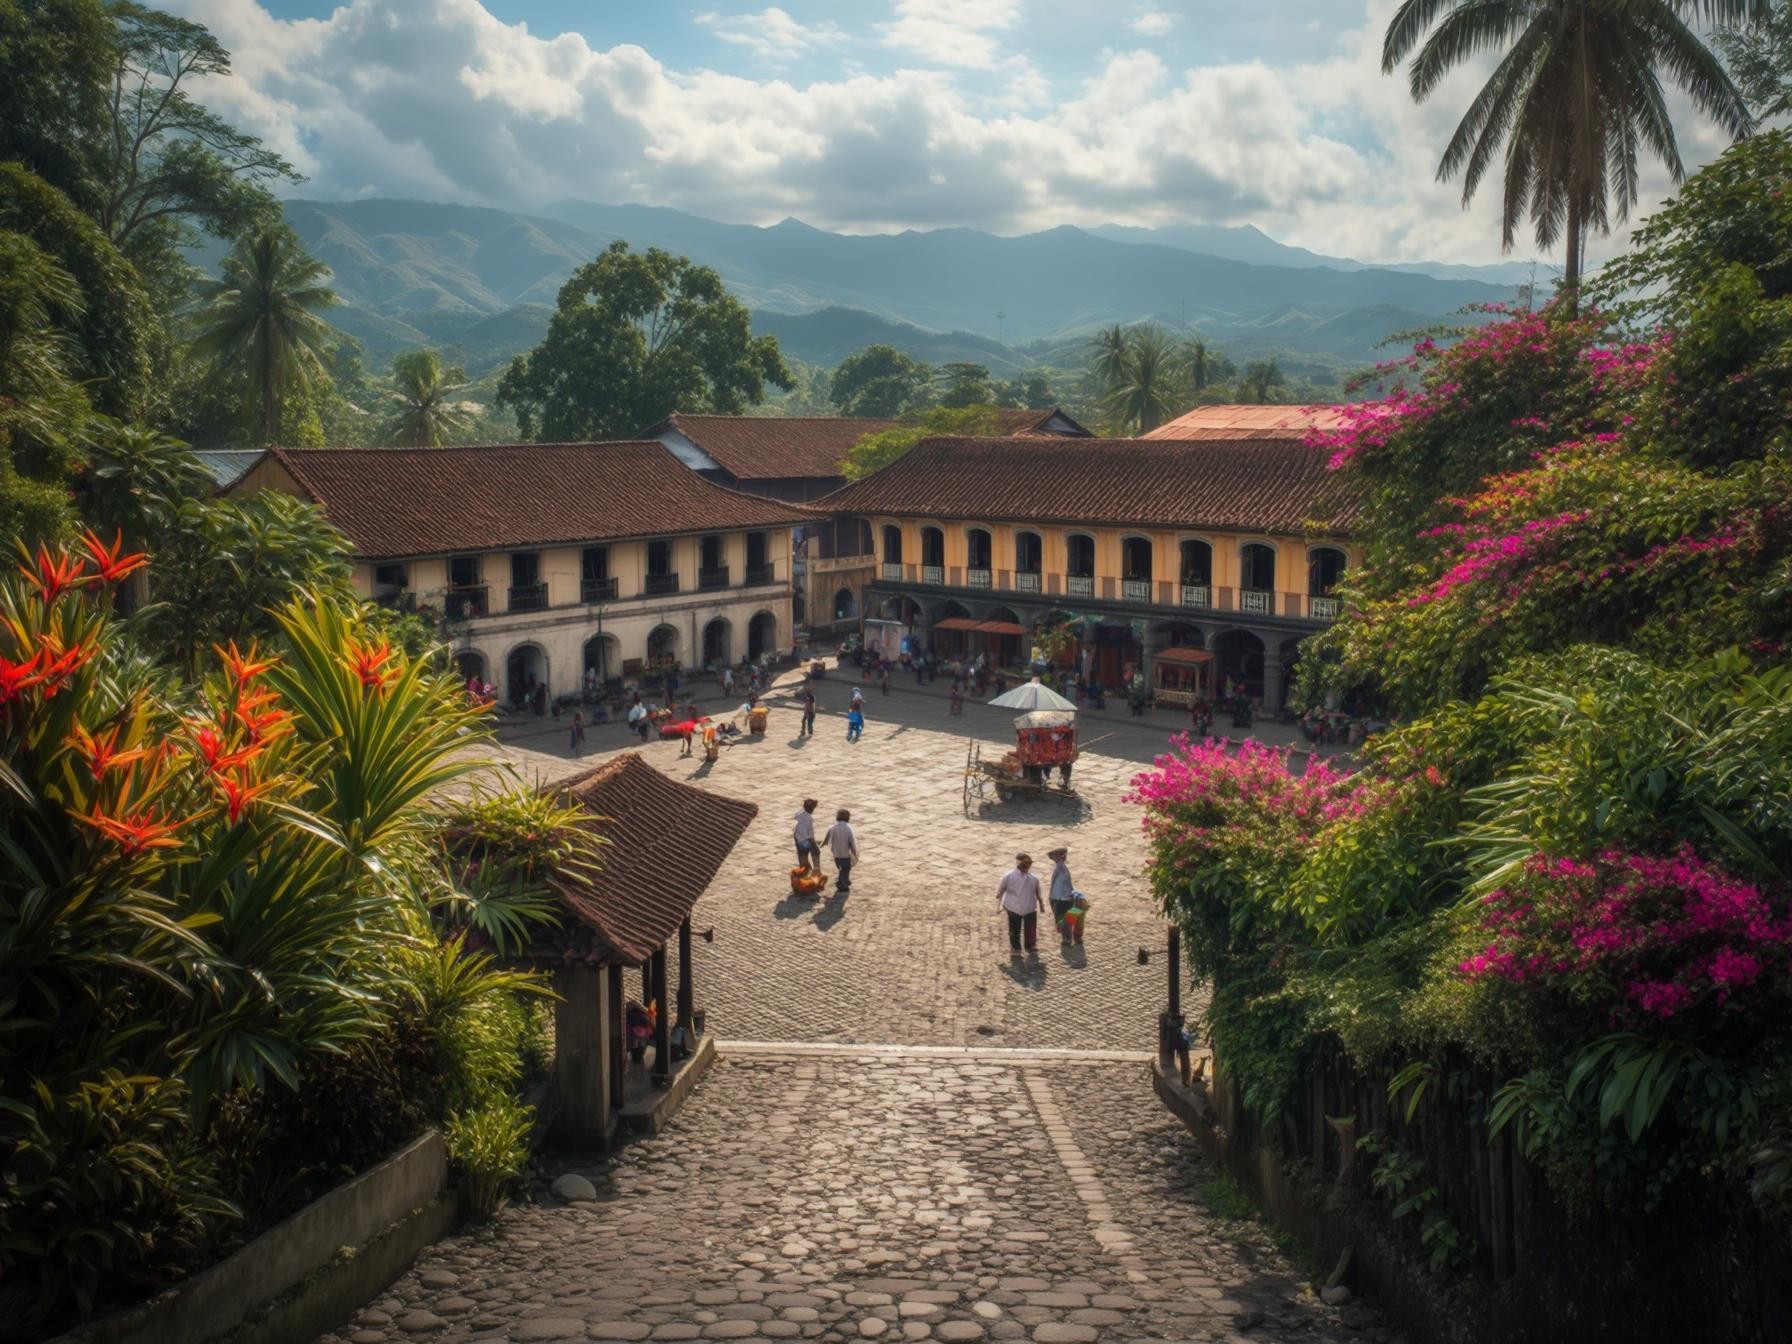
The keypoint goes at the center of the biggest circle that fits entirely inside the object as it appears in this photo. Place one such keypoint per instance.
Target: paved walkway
(841, 1197)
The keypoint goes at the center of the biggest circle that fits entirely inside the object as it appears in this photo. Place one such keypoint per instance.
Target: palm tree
(426, 417)
(261, 318)
(1574, 98)
(1108, 359)
(1199, 362)
(1146, 396)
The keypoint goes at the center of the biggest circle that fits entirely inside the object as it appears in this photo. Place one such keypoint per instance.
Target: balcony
(1026, 583)
(933, 573)
(658, 585)
(712, 577)
(757, 574)
(1079, 585)
(978, 578)
(892, 572)
(1197, 595)
(529, 597)
(1135, 590)
(1325, 608)
(1256, 601)
(597, 590)
(466, 601)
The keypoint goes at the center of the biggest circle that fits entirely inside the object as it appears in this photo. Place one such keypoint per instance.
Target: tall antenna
(1000, 319)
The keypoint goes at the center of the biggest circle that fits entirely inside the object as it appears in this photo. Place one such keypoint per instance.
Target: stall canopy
(980, 627)
(1193, 657)
(955, 623)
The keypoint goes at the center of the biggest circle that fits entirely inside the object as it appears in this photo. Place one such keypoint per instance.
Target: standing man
(808, 853)
(1063, 891)
(844, 846)
(578, 732)
(808, 728)
(1018, 895)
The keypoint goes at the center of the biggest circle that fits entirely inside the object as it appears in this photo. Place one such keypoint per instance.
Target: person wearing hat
(1018, 895)
(1063, 891)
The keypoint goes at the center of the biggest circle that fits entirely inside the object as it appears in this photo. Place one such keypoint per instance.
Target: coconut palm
(1575, 98)
(1199, 361)
(1147, 393)
(261, 318)
(426, 416)
(1109, 356)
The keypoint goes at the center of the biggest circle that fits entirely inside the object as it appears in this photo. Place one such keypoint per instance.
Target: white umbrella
(1033, 695)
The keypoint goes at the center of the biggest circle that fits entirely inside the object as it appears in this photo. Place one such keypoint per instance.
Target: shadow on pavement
(1028, 972)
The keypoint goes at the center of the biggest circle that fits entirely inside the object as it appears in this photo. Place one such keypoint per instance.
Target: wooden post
(580, 1078)
(618, 1046)
(687, 994)
(662, 1025)
(1175, 971)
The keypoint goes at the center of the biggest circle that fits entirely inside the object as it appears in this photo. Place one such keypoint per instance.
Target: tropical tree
(634, 337)
(1261, 380)
(44, 412)
(879, 450)
(964, 384)
(879, 381)
(1760, 58)
(1575, 98)
(1108, 357)
(427, 416)
(1146, 392)
(261, 318)
(1199, 362)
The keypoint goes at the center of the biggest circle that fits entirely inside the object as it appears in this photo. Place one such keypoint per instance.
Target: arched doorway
(933, 555)
(1005, 650)
(892, 544)
(1239, 654)
(1325, 568)
(902, 609)
(1257, 578)
(525, 668)
(1290, 654)
(603, 658)
(717, 644)
(662, 646)
(762, 635)
(1135, 569)
(1196, 574)
(846, 604)
(947, 643)
(470, 663)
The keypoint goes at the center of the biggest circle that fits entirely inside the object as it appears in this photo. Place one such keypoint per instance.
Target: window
(712, 553)
(463, 571)
(1259, 567)
(391, 578)
(1135, 559)
(1029, 552)
(933, 546)
(1325, 567)
(892, 544)
(1080, 553)
(525, 569)
(980, 548)
(659, 558)
(757, 550)
(1197, 564)
(595, 583)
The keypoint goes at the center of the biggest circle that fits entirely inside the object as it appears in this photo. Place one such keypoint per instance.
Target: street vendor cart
(1044, 742)
(1181, 677)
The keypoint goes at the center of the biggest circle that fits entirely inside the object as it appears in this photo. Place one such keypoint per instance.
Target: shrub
(490, 1145)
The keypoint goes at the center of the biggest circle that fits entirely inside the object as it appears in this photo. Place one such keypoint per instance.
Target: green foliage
(59, 60)
(879, 382)
(881, 449)
(427, 415)
(634, 337)
(45, 415)
(1141, 376)
(490, 1145)
(504, 850)
(1760, 60)
(962, 385)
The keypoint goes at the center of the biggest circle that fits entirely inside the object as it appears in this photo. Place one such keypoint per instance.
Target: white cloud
(952, 32)
(1153, 22)
(771, 35)
(441, 100)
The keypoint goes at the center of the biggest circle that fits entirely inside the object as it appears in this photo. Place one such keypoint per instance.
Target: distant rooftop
(227, 465)
(1249, 422)
(765, 447)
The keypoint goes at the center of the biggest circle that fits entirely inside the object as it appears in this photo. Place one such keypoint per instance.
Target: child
(1074, 919)
(855, 723)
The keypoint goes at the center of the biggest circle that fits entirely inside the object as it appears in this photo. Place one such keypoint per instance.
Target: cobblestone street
(834, 1197)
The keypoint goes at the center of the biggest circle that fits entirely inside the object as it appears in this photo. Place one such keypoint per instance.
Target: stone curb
(980, 1054)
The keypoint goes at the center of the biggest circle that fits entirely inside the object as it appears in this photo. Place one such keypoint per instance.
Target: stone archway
(718, 644)
(846, 604)
(603, 657)
(762, 635)
(662, 646)
(1239, 656)
(470, 663)
(525, 668)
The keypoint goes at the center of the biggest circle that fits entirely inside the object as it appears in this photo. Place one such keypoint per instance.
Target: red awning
(1001, 628)
(956, 623)
(1184, 656)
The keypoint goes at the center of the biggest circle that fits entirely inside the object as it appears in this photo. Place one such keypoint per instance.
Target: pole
(687, 1004)
(662, 1026)
(1175, 972)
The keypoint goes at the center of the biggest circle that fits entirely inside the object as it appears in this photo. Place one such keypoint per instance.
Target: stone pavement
(832, 1196)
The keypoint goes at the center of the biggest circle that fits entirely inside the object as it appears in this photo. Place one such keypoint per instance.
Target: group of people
(1019, 895)
(842, 843)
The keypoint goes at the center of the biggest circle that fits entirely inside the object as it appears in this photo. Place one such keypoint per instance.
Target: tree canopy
(634, 337)
(426, 416)
(880, 382)
(879, 450)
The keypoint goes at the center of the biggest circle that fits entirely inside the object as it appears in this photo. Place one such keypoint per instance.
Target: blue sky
(873, 115)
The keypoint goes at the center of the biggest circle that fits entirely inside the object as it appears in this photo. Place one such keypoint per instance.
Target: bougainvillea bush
(220, 971)
(1570, 862)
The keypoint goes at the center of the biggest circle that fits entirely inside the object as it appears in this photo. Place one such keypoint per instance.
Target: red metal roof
(664, 843)
(394, 502)
(1248, 422)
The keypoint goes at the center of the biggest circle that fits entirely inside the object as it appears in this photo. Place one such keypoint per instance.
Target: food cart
(1044, 741)
(1182, 676)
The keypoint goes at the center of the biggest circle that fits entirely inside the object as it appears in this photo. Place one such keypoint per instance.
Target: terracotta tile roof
(770, 447)
(394, 502)
(1257, 485)
(1019, 420)
(665, 841)
(1248, 422)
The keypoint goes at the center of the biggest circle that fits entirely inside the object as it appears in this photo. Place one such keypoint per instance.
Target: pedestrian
(728, 681)
(540, 699)
(956, 701)
(1018, 896)
(883, 679)
(844, 846)
(1062, 893)
(858, 698)
(808, 853)
(808, 728)
(578, 732)
(672, 684)
(855, 723)
(637, 717)
(920, 670)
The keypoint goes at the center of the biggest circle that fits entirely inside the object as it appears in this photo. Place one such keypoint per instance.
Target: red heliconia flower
(368, 662)
(57, 664)
(214, 750)
(263, 725)
(109, 564)
(238, 795)
(135, 833)
(243, 667)
(53, 574)
(102, 752)
(18, 677)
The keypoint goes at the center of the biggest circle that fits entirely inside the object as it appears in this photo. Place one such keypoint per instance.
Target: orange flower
(17, 677)
(102, 752)
(243, 667)
(57, 664)
(238, 795)
(215, 751)
(263, 725)
(135, 833)
(368, 662)
(109, 565)
(53, 575)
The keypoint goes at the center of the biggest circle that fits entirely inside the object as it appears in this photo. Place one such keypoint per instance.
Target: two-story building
(548, 559)
(1228, 548)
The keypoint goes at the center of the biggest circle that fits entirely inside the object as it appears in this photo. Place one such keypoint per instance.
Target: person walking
(1018, 896)
(639, 719)
(578, 733)
(808, 853)
(883, 678)
(1062, 893)
(728, 681)
(955, 701)
(808, 728)
(855, 722)
(844, 846)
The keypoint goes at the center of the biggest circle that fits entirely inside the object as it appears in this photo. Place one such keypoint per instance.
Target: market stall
(1182, 676)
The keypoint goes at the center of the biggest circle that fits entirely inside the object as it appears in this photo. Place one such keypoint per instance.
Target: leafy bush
(490, 1145)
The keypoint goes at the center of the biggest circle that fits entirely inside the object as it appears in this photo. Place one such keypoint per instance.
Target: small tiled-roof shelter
(663, 844)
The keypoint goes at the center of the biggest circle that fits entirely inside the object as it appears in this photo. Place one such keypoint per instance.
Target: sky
(878, 115)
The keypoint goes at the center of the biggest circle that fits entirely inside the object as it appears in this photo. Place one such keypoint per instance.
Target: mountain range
(480, 283)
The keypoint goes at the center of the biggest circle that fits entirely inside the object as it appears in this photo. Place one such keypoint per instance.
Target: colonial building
(1227, 547)
(792, 458)
(548, 559)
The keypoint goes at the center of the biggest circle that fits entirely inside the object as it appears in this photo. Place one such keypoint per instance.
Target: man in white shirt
(1018, 895)
(844, 846)
(808, 853)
